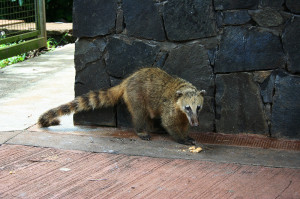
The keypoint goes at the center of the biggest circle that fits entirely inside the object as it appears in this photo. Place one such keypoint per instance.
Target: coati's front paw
(144, 136)
(187, 141)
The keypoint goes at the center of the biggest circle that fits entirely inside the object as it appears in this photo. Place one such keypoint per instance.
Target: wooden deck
(33, 172)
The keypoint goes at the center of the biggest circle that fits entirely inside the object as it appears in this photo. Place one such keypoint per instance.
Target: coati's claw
(191, 141)
(144, 136)
(187, 141)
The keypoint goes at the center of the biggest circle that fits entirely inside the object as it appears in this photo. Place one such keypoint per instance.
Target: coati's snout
(191, 103)
(193, 120)
(192, 114)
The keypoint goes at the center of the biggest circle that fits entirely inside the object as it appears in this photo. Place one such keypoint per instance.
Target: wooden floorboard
(33, 172)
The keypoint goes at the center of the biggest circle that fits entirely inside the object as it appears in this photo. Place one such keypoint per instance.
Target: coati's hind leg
(139, 122)
(139, 119)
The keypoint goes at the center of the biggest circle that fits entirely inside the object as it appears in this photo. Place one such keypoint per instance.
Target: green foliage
(11, 60)
(53, 43)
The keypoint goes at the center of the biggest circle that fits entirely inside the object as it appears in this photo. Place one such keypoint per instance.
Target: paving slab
(34, 172)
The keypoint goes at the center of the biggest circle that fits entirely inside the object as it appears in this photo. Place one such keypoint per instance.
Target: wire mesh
(17, 17)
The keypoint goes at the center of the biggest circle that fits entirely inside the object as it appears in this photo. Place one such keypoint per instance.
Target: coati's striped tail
(88, 101)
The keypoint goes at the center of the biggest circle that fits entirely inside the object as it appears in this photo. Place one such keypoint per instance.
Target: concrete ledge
(116, 141)
(6, 136)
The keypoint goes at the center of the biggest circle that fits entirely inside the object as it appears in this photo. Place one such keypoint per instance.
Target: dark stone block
(210, 43)
(93, 77)
(286, 107)
(238, 105)
(291, 44)
(293, 5)
(99, 117)
(161, 59)
(267, 88)
(123, 57)
(124, 117)
(212, 56)
(85, 52)
(278, 4)
(207, 116)
(233, 4)
(115, 81)
(120, 21)
(100, 44)
(192, 64)
(94, 17)
(268, 110)
(186, 20)
(236, 17)
(244, 49)
(267, 17)
(219, 19)
(143, 20)
(261, 76)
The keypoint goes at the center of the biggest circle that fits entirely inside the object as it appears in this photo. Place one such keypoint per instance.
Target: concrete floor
(161, 167)
(28, 88)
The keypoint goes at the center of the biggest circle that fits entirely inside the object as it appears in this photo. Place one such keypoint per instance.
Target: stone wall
(246, 54)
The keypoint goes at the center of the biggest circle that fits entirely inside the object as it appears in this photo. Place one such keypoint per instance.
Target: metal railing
(23, 24)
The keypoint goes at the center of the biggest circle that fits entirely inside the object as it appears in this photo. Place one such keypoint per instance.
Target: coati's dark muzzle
(194, 121)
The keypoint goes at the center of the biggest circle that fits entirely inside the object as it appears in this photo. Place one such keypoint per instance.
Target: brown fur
(149, 93)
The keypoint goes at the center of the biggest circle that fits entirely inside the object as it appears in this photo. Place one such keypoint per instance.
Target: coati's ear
(178, 94)
(203, 92)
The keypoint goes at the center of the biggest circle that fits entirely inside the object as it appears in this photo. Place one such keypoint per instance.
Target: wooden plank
(41, 19)
(33, 172)
(19, 37)
(7, 22)
(22, 48)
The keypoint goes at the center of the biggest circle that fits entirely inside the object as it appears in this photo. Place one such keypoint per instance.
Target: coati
(149, 93)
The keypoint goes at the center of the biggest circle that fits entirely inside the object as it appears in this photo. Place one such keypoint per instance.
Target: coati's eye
(187, 107)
